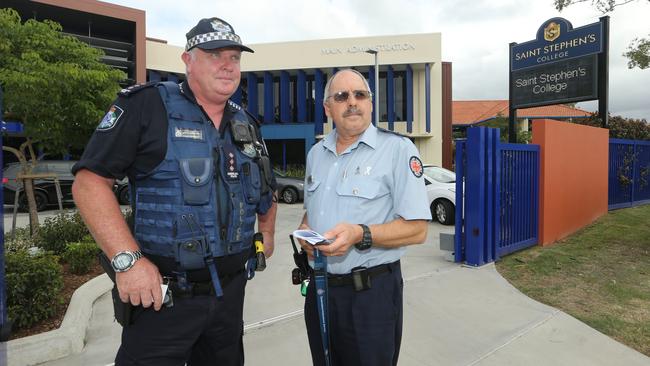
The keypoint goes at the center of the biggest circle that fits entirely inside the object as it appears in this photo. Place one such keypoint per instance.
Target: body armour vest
(201, 201)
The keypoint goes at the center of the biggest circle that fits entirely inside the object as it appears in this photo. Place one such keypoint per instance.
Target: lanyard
(320, 276)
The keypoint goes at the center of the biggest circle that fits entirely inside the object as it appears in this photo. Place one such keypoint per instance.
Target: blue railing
(497, 197)
(518, 187)
(629, 173)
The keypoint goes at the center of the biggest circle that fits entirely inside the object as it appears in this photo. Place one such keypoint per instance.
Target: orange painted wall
(573, 179)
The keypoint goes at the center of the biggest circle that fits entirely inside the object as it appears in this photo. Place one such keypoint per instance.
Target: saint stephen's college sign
(561, 65)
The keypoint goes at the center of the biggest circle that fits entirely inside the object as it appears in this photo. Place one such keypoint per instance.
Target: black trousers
(365, 326)
(199, 330)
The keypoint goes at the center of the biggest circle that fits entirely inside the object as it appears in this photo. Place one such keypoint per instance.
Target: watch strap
(366, 239)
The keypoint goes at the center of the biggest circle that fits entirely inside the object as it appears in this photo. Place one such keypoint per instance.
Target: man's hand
(308, 248)
(344, 235)
(140, 285)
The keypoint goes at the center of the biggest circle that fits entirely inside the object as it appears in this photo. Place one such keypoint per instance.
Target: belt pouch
(360, 279)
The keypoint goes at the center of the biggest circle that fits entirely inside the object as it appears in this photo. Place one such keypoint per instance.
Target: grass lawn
(600, 275)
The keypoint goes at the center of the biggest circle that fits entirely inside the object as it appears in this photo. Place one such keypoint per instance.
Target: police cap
(213, 33)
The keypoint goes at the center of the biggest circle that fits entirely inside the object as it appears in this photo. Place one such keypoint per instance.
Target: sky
(475, 34)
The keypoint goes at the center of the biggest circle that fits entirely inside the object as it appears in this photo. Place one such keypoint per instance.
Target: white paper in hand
(311, 237)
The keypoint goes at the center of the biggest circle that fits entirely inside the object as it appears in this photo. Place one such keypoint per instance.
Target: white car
(441, 191)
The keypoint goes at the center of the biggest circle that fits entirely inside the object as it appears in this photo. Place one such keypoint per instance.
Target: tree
(621, 128)
(638, 52)
(54, 84)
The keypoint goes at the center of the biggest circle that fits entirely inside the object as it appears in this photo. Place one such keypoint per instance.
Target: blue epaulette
(127, 92)
(393, 132)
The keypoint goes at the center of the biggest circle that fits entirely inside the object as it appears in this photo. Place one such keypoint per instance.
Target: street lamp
(376, 92)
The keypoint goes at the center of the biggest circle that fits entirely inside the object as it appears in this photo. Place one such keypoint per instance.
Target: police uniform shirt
(134, 142)
(371, 182)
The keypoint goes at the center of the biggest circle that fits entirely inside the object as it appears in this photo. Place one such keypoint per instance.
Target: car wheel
(289, 195)
(124, 196)
(443, 211)
(39, 197)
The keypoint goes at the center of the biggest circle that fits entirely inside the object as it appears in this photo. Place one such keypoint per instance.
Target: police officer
(199, 175)
(364, 190)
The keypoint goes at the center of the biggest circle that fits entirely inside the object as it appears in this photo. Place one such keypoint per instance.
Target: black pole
(603, 75)
(5, 325)
(512, 112)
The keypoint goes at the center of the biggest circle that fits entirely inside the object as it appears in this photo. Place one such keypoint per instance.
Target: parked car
(441, 191)
(44, 189)
(291, 190)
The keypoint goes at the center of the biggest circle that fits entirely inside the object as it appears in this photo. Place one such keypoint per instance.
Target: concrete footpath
(453, 315)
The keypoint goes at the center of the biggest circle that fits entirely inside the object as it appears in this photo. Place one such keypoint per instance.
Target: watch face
(122, 261)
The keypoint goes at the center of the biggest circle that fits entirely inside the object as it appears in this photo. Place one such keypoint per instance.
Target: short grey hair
(329, 83)
(192, 57)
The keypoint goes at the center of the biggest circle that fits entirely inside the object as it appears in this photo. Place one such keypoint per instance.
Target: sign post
(561, 65)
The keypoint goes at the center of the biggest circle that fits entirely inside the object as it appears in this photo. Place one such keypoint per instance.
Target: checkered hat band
(212, 36)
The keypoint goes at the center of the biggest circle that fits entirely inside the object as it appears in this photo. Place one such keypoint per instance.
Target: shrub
(56, 232)
(34, 284)
(81, 256)
(21, 241)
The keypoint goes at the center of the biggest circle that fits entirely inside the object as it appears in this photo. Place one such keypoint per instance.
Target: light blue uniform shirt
(371, 182)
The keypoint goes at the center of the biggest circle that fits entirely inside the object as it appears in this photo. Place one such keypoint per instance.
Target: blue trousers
(199, 330)
(365, 326)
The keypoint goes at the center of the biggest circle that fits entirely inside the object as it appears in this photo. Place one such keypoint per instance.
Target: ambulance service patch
(110, 119)
(415, 164)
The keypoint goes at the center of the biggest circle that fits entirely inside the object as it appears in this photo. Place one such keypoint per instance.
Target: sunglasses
(342, 96)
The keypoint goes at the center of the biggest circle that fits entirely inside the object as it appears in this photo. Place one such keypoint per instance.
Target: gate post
(459, 229)
(480, 200)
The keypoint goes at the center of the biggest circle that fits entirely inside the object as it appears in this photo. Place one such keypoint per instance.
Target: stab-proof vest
(201, 201)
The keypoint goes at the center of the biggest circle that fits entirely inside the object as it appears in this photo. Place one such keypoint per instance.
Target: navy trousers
(199, 330)
(365, 326)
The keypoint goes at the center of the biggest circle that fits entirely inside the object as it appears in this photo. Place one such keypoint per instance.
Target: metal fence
(629, 173)
(497, 197)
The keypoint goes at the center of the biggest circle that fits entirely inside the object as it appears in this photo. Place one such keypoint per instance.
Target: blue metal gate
(629, 173)
(497, 197)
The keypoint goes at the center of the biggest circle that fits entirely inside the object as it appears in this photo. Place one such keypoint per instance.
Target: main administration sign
(559, 66)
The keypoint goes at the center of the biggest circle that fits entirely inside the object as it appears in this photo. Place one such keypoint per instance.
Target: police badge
(551, 31)
(249, 150)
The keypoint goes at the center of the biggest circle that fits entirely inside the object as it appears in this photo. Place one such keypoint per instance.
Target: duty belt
(202, 288)
(347, 279)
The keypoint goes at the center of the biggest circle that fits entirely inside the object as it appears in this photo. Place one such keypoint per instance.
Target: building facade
(283, 83)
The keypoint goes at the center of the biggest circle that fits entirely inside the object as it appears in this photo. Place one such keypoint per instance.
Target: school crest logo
(110, 119)
(552, 31)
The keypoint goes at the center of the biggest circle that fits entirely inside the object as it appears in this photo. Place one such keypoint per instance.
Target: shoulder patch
(393, 132)
(415, 164)
(110, 119)
(127, 92)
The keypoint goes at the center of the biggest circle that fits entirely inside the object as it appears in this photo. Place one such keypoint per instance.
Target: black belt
(202, 288)
(336, 280)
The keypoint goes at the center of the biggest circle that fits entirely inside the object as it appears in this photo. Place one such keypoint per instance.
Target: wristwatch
(366, 239)
(123, 261)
